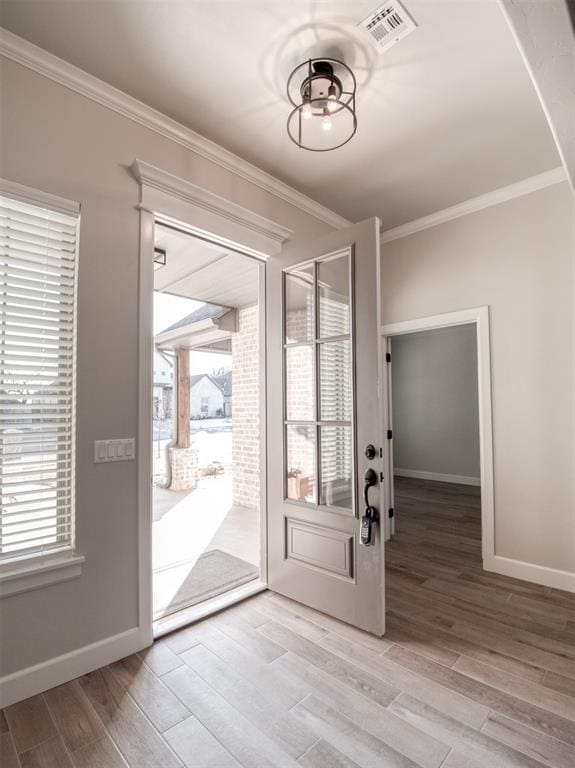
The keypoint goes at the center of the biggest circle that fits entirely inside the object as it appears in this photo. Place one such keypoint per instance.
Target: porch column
(183, 457)
(183, 398)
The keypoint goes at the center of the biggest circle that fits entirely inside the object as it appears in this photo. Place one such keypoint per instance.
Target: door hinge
(381, 453)
(388, 357)
(390, 512)
(389, 434)
(381, 477)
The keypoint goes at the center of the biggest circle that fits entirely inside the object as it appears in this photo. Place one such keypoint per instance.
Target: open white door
(324, 368)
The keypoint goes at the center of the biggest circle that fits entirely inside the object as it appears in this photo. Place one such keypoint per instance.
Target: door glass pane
(333, 285)
(299, 323)
(300, 383)
(335, 381)
(301, 474)
(336, 467)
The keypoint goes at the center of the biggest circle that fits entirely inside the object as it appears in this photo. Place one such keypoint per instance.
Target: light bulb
(306, 111)
(331, 98)
(326, 123)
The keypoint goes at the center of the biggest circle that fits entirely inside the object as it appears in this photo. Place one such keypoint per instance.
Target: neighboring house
(206, 397)
(224, 382)
(163, 384)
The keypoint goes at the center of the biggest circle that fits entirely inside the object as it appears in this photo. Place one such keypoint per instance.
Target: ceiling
(205, 272)
(447, 114)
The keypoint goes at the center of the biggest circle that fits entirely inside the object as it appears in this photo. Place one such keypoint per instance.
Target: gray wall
(56, 140)
(518, 259)
(435, 408)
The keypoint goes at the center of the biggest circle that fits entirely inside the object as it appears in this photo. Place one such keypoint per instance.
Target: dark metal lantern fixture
(322, 92)
(160, 258)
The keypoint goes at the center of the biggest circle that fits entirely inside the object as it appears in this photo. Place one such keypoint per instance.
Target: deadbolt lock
(370, 451)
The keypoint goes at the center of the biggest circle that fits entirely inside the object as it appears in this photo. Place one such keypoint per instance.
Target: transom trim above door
(161, 191)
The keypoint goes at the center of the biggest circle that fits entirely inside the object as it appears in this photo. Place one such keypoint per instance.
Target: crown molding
(44, 63)
(474, 204)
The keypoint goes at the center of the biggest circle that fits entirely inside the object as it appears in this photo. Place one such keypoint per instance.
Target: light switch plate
(123, 449)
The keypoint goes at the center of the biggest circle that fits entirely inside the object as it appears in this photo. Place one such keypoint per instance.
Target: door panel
(323, 310)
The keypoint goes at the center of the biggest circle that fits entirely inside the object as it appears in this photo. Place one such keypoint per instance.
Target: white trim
(479, 316)
(145, 443)
(47, 674)
(38, 197)
(474, 204)
(200, 611)
(458, 317)
(437, 477)
(170, 337)
(260, 233)
(537, 574)
(39, 571)
(38, 60)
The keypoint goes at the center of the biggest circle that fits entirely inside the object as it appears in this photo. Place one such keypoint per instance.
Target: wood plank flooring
(476, 671)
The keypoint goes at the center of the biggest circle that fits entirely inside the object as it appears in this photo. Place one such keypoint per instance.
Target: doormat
(215, 572)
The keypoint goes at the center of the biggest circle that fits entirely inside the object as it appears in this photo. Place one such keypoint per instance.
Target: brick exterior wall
(335, 390)
(302, 479)
(245, 409)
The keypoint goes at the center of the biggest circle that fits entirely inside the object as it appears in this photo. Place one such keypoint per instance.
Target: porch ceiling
(205, 272)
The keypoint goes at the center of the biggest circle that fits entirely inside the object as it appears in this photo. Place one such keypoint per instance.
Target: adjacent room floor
(476, 671)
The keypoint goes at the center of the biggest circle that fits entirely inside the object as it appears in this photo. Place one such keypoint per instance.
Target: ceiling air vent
(388, 25)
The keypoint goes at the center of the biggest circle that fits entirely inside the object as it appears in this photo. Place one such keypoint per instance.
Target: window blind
(38, 265)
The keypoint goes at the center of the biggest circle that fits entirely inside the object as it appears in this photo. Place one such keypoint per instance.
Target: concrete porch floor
(186, 524)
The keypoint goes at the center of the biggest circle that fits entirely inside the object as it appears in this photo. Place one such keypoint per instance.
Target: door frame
(194, 210)
(478, 316)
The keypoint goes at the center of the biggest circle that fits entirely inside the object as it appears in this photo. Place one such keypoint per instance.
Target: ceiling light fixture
(322, 93)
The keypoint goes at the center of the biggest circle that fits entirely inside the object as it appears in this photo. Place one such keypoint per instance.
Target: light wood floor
(476, 671)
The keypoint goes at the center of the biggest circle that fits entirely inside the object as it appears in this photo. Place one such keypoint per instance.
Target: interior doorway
(439, 494)
(437, 397)
(206, 419)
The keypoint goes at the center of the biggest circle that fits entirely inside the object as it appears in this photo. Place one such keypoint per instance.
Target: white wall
(518, 258)
(58, 141)
(544, 35)
(206, 389)
(163, 370)
(435, 407)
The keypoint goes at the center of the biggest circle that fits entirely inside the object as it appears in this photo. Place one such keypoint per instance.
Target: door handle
(370, 516)
(369, 479)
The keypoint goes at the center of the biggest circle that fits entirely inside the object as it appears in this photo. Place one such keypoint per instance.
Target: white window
(38, 275)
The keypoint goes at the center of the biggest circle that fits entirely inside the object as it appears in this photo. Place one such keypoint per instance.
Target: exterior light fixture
(322, 93)
(159, 258)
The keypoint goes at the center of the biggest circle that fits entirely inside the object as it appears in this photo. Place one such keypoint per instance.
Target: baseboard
(537, 574)
(437, 476)
(47, 674)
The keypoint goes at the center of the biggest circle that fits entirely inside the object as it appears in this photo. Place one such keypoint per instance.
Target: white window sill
(37, 572)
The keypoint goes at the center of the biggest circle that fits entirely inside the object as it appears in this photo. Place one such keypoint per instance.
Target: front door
(323, 412)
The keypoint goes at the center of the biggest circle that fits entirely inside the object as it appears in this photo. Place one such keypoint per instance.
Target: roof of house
(222, 381)
(205, 312)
